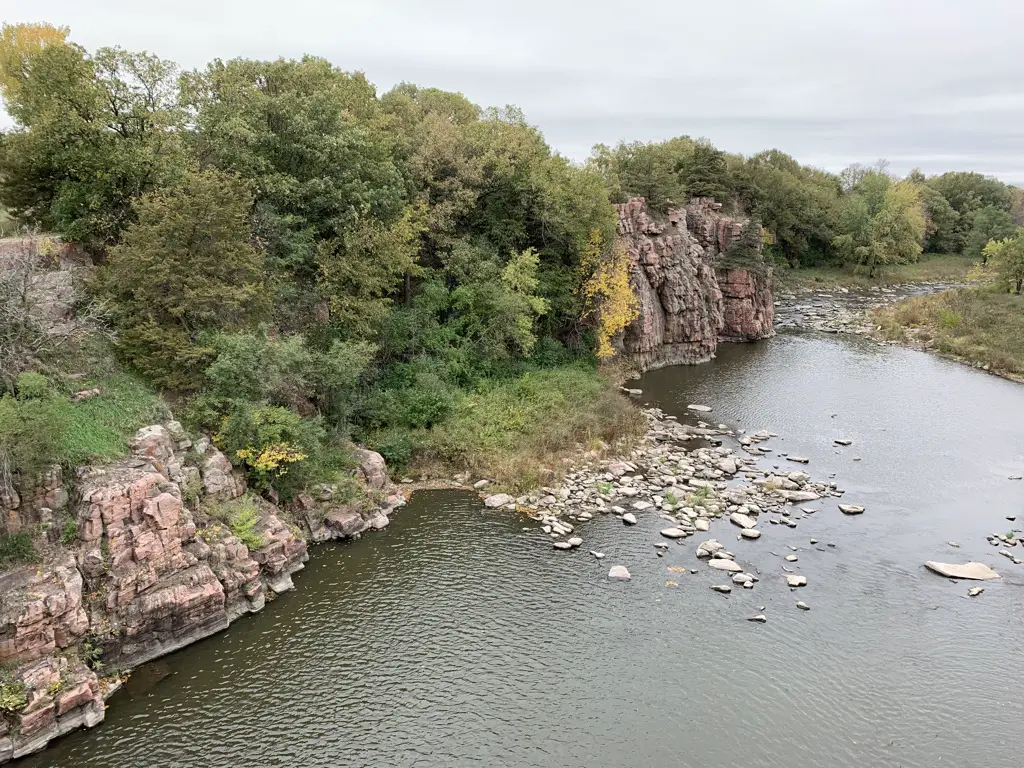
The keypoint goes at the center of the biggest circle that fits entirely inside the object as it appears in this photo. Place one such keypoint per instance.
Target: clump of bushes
(241, 516)
(18, 548)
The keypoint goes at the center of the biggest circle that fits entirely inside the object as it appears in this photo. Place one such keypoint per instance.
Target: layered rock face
(146, 574)
(690, 297)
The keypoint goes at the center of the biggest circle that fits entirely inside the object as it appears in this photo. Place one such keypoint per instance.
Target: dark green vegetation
(299, 262)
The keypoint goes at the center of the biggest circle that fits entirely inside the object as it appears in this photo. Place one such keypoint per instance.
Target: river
(456, 638)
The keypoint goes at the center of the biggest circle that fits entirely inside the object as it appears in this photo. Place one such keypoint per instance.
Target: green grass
(8, 226)
(100, 428)
(520, 431)
(17, 548)
(932, 268)
(975, 325)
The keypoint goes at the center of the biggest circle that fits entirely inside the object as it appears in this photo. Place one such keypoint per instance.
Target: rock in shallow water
(699, 408)
(743, 521)
(726, 565)
(725, 589)
(498, 500)
(759, 618)
(629, 518)
(673, 533)
(851, 509)
(973, 571)
(750, 533)
(619, 573)
(803, 606)
(575, 541)
(975, 591)
(796, 581)
(562, 545)
(597, 555)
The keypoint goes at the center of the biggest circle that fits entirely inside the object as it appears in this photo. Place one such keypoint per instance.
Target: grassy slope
(519, 431)
(975, 325)
(932, 268)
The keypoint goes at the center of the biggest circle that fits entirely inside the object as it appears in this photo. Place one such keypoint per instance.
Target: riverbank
(975, 326)
(930, 269)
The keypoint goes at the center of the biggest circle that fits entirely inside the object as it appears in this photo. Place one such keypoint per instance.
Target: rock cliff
(691, 293)
(145, 564)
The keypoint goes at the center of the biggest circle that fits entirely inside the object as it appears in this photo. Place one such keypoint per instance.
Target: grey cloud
(937, 84)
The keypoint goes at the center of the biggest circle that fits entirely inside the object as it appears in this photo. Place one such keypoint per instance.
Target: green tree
(639, 169)
(1006, 256)
(704, 172)
(882, 223)
(185, 267)
(988, 223)
(942, 222)
(92, 133)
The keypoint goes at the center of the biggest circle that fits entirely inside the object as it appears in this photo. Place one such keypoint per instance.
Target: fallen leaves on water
(676, 569)
(671, 583)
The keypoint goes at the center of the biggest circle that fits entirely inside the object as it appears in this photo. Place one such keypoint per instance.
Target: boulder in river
(575, 541)
(796, 581)
(699, 408)
(975, 591)
(759, 618)
(709, 547)
(802, 605)
(725, 589)
(563, 545)
(629, 518)
(743, 521)
(973, 571)
(726, 565)
(851, 509)
(799, 459)
(619, 573)
(498, 500)
(750, 533)
(673, 533)
(843, 441)
(597, 555)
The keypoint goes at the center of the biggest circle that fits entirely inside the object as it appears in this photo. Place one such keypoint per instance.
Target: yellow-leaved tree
(607, 294)
(18, 43)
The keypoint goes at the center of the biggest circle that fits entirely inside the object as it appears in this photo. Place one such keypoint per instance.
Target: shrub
(31, 386)
(241, 516)
(17, 548)
(276, 447)
(13, 697)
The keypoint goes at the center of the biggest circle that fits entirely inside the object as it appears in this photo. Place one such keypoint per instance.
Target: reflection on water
(455, 638)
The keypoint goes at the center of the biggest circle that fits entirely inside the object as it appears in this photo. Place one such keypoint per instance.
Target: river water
(456, 638)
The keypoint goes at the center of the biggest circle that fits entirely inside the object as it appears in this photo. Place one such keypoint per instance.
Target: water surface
(455, 638)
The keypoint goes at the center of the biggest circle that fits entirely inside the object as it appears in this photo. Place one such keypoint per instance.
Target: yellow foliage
(607, 293)
(18, 43)
(271, 458)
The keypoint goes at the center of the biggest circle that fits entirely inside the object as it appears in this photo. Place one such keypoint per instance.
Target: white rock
(851, 509)
(723, 588)
(741, 578)
(803, 606)
(750, 533)
(743, 521)
(498, 500)
(709, 547)
(975, 591)
(843, 442)
(796, 581)
(481, 484)
(726, 565)
(619, 573)
(699, 408)
(798, 459)
(575, 541)
(629, 518)
(701, 524)
(563, 545)
(760, 618)
(791, 558)
(673, 533)
(597, 555)
(640, 506)
(973, 571)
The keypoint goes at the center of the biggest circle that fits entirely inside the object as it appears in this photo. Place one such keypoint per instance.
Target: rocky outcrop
(690, 295)
(146, 572)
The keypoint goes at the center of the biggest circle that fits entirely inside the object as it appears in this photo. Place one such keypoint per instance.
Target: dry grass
(975, 325)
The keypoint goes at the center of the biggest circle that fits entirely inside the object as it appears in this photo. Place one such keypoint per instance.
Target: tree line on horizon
(300, 259)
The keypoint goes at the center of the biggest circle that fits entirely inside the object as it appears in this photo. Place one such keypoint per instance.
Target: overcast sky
(937, 84)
